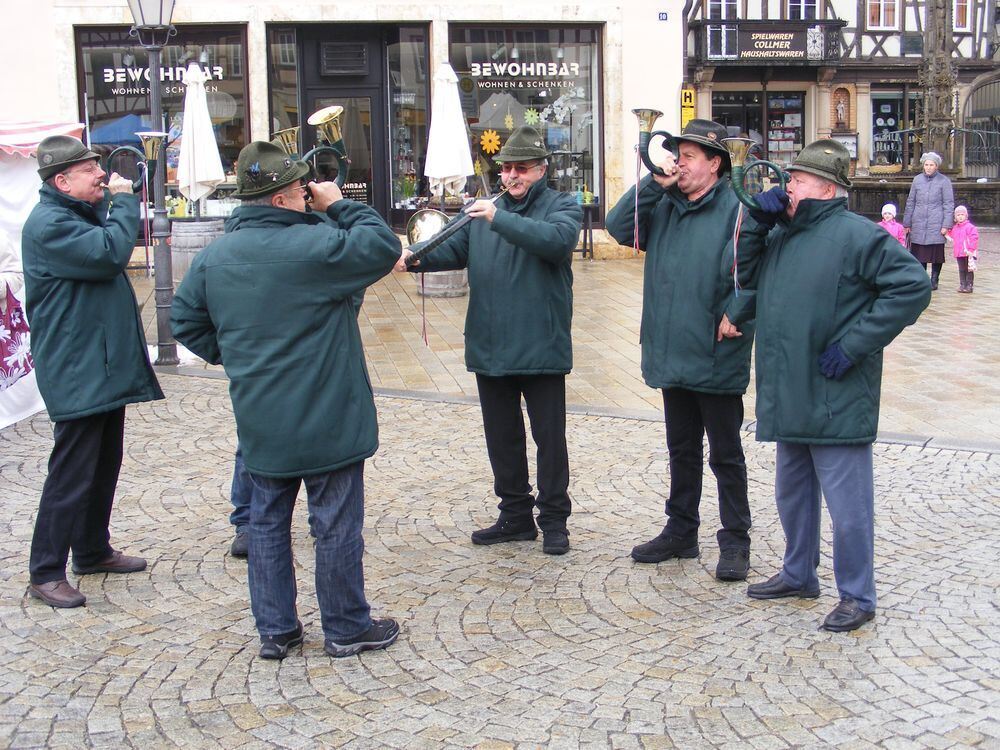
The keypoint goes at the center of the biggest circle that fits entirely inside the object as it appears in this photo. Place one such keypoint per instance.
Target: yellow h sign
(687, 105)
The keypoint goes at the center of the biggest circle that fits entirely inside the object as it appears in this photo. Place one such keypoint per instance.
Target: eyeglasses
(519, 168)
(91, 168)
(303, 188)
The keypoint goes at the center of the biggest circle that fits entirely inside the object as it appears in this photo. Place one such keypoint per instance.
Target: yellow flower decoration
(508, 121)
(490, 142)
(531, 116)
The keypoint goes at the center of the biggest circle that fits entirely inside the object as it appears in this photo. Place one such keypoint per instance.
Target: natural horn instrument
(739, 149)
(648, 118)
(287, 140)
(327, 125)
(152, 142)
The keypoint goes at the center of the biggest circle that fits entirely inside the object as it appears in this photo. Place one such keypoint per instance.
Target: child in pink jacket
(965, 237)
(890, 224)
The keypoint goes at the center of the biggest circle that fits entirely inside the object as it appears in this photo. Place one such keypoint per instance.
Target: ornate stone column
(824, 78)
(864, 125)
(937, 78)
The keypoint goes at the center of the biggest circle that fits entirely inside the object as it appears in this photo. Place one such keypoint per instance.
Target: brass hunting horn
(327, 125)
(647, 119)
(152, 142)
(739, 149)
(287, 140)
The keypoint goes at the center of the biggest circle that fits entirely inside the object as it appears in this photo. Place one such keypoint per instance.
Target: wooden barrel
(187, 239)
(443, 283)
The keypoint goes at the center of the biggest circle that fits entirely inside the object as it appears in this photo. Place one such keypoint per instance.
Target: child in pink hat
(965, 237)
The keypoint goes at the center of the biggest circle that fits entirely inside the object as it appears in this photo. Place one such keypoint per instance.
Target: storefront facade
(575, 77)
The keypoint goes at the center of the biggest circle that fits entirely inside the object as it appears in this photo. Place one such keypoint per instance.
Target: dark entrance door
(345, 65)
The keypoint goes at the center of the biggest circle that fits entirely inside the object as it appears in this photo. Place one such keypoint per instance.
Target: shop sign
(134, 80)
(770, 41)
(533, 75)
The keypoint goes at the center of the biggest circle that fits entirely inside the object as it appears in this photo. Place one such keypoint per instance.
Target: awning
(22, 138)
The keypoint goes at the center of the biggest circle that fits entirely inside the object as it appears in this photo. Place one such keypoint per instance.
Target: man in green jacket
(90, 357)
(833, 291)
(271, 300)
(685, 222)
(519, 253)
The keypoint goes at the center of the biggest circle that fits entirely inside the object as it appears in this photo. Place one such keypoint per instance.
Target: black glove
(833, 363)
(772, 204)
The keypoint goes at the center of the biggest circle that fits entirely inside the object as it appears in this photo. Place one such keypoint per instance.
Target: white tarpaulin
(449, 162)
(199, 168)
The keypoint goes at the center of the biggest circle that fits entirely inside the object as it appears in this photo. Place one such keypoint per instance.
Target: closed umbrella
(199, 168)
(449, 162)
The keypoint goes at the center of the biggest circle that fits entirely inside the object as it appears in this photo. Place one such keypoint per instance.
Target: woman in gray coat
(928, 217)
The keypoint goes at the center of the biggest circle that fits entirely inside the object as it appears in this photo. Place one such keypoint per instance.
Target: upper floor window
(963, 15)
(801, 10)
(883, 14)
(722, 37)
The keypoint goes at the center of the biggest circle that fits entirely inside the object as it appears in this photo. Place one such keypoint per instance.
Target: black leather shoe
(663, 548)
(555, 542)
(276, 646)
(776, 588)
(733, 565)
(57, 594)
(241, 544)
(506, 531)
(846, 616)
(117, 563)
(381, 634)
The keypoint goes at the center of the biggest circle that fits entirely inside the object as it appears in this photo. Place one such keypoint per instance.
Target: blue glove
(833, 363)
(772, 204)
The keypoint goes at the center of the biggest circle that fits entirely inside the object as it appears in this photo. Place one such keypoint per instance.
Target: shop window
(545, 77)
(883, 14)
(115, 91)
(892, 126)
(722, 38)
(407, 115)
(785, 126)
(741, 112)
(282, 79)
(801, 10)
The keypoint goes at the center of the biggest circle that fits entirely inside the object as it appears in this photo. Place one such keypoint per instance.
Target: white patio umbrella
(199, 168)
(449, 162)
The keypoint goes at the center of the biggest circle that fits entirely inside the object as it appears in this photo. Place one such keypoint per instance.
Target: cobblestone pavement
(939, 375)
(501, 647)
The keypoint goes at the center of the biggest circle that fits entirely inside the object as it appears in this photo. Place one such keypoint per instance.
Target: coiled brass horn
(327, 122)
(288, 140)
(647, 119)
(739, 149)
(152, 143)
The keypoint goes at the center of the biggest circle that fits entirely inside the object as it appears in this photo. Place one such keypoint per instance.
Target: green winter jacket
(688, 285)
(520, 283)
(829, 276)
(86, 333)
(272, 301)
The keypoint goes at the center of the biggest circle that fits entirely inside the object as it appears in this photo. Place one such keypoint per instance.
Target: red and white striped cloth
(22, 138)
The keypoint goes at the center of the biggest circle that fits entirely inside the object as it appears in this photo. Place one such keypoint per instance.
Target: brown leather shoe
(57, 594)
(117, 563)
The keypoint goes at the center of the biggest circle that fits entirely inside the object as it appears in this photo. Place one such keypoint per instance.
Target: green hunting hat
(264, 169)
(524, 144)
(827, 159)
(707, 133)
(58, 152)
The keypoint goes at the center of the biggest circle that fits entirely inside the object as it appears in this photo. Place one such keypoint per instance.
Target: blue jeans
(239, 494)
(336, 518)
(843, 474)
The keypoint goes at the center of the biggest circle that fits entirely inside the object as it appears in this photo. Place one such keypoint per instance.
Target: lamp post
(153, 29)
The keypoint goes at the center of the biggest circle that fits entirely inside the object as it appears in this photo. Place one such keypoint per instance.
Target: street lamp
(153, 29)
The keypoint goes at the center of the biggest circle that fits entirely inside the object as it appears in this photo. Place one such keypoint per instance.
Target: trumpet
(327, 125)
(438, 222)
(739, 149)
(152, 143)
(647, 119)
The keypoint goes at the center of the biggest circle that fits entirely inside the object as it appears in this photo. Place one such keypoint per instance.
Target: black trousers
(75, 508)
(689, 416)
(503, 423)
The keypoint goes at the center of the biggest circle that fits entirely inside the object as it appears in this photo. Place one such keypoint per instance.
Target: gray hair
(261, 200)
(931, 156)
(840, 192)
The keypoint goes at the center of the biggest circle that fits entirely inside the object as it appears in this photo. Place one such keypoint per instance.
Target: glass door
(356, 130)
